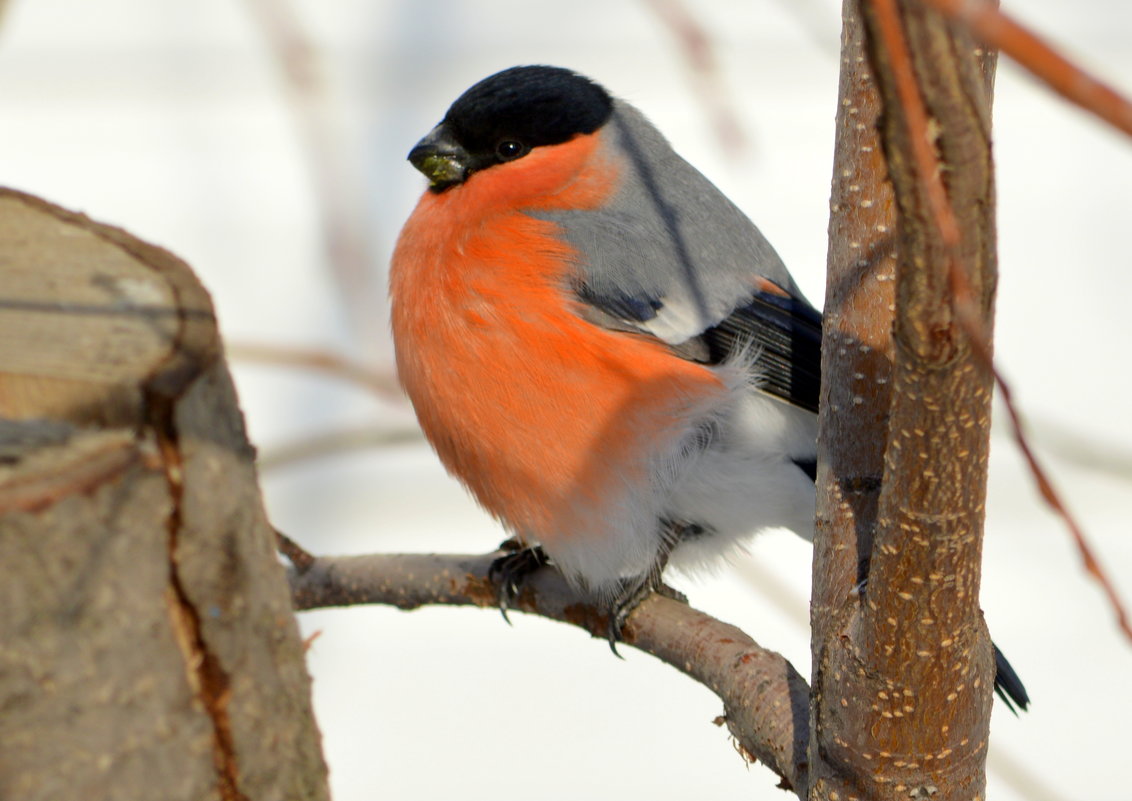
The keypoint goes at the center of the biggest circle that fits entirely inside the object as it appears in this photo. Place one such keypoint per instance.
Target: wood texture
(903, 667)
(149, 647)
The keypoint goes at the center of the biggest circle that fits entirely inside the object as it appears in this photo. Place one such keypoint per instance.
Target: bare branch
(300, 558)
(766, 701)
(857, 347)
(999, 31)
(966, 315)
(964, 306)
(380, 383)
(335, 442)
(337, 189)
(698, 52)
(1053, 498)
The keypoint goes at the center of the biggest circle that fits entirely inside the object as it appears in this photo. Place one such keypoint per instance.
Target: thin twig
(999, 31)
(334, 443)
(930, 173)
(300, 558)
(698, 53)
(383, 384)
(337, 190)
(1051, 496)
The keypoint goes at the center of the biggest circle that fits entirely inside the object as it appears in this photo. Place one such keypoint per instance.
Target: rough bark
(148, 643)
(903, 670)
(857, 357)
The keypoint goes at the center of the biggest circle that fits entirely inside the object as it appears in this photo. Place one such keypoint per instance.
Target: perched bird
(601, 346)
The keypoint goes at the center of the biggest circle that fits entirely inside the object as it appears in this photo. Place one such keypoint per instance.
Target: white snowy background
(172, 119)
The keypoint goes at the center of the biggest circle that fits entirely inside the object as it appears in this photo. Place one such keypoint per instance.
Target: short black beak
(442, 160)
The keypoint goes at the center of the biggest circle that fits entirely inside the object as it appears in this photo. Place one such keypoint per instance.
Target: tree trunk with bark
(903, 668)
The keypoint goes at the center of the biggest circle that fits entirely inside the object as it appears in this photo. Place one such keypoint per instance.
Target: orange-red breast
(596, 341)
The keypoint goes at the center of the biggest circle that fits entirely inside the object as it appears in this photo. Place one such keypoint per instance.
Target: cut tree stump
(148, 648)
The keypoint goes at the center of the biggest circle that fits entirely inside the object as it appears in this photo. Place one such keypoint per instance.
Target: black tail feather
(1007, 684)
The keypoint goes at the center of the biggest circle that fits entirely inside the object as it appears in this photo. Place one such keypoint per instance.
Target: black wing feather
(785, 334)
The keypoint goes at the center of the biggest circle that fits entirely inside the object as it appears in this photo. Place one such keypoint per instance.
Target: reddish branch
(965, 314)
(765, 701)
(1051, 496)
(999, 31)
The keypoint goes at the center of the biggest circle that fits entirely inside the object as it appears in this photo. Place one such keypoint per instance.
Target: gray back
(669, 251)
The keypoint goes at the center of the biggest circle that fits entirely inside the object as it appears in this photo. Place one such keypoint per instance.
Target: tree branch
(380, 383)
(1001, 32)
(766, 701)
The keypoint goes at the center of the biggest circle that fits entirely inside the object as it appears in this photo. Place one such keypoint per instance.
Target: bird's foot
(632, 593)
(512, 570)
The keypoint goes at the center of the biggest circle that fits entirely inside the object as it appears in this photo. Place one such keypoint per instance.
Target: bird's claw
(633, 592)
(511, 571)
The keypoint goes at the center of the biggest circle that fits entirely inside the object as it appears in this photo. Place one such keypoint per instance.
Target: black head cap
(504, 116)
(533, 105)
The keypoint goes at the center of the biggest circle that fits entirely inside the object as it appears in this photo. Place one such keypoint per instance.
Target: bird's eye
(509, 150)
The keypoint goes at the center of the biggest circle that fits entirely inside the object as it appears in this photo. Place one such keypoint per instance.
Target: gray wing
(669, 255)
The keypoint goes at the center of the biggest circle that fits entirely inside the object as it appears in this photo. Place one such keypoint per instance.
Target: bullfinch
(601, 346)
